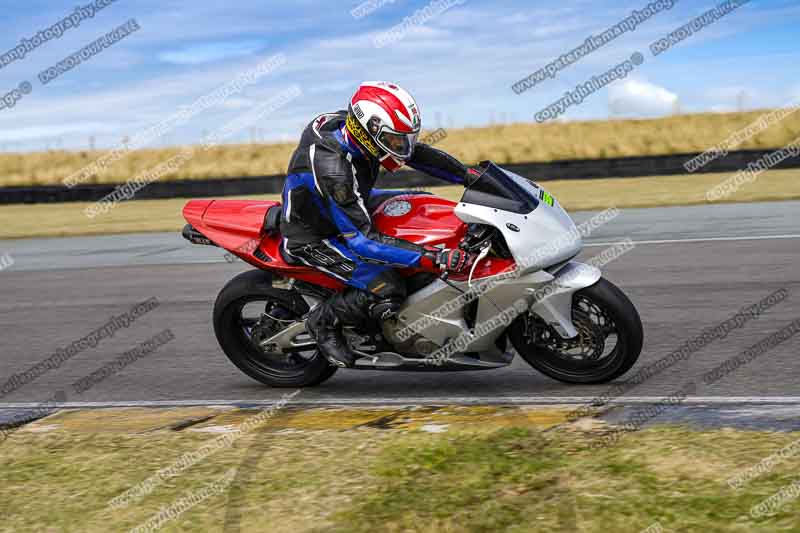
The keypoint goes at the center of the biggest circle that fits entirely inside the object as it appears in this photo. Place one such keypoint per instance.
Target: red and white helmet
(385, 121)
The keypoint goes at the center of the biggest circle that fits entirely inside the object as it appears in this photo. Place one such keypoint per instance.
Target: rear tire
(235, 338)
(629, 335)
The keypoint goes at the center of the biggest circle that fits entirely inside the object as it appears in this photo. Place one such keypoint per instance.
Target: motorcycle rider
(325, 221)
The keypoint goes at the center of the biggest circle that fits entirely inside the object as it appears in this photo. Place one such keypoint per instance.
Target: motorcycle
(524, 289)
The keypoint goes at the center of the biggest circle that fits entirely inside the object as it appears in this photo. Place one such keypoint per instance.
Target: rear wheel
(248, 311)
(609, 340)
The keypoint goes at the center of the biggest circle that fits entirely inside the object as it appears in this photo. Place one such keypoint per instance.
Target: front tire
(603, 315)
(238, 334)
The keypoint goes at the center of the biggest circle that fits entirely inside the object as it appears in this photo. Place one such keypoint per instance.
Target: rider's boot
(326, 328)
(351, 307)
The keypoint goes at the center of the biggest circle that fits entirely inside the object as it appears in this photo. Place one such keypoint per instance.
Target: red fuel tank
(420, 218)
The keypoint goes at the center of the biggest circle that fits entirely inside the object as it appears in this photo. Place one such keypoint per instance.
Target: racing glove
(448, 259)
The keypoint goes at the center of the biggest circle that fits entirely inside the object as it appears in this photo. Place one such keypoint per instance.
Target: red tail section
(237, 226)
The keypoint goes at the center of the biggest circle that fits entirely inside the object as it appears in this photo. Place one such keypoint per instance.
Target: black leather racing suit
(326, 222)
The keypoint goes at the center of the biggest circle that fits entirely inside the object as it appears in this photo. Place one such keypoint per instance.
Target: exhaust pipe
(194, 236)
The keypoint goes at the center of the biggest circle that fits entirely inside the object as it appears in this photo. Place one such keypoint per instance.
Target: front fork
(553, 301)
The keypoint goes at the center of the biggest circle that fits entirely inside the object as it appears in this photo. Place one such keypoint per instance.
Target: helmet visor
(397, 144)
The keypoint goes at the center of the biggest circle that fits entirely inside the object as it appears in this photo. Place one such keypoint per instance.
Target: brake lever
(482, 255)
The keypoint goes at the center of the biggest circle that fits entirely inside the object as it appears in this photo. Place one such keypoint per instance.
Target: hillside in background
(513, 143)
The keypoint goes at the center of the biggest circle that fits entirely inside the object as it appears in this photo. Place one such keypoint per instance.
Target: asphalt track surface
(692, 268)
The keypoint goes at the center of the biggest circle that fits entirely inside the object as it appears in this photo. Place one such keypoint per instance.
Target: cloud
(636, 97)
(458, 70)
(207, 52)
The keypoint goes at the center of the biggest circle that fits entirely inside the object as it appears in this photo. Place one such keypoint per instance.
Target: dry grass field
(503, 144)
(68, 219)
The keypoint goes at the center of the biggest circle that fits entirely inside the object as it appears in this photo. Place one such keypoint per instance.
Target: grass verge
(453, 469)
(62, 220)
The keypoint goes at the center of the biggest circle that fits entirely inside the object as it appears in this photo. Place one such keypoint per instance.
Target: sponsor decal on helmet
(414, 116)
(357, 110)
(360, 134)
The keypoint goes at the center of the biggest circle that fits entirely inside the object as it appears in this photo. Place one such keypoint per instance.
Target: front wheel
(609, 340)
(247, 313)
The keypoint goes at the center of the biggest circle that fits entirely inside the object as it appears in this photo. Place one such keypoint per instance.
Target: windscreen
(501, 190)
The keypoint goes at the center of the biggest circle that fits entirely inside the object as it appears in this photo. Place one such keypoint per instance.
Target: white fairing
(556, 307)
(543, 238)
(547, 235)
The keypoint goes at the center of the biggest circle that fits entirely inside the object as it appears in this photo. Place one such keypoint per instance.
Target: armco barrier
(623, 167)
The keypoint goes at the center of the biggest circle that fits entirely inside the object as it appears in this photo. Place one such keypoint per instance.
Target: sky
(459, 63)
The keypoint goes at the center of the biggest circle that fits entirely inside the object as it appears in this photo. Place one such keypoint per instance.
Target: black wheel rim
(596, 348)
(258, 318)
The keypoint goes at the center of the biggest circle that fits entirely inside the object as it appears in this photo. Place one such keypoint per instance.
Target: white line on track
(699, 239)
(445, 400)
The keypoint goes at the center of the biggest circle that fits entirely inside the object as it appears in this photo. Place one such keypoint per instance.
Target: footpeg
(381, 360)
(336, 362)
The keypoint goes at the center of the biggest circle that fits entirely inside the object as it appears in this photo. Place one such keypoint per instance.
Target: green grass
(322, 470)
(520, 480)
